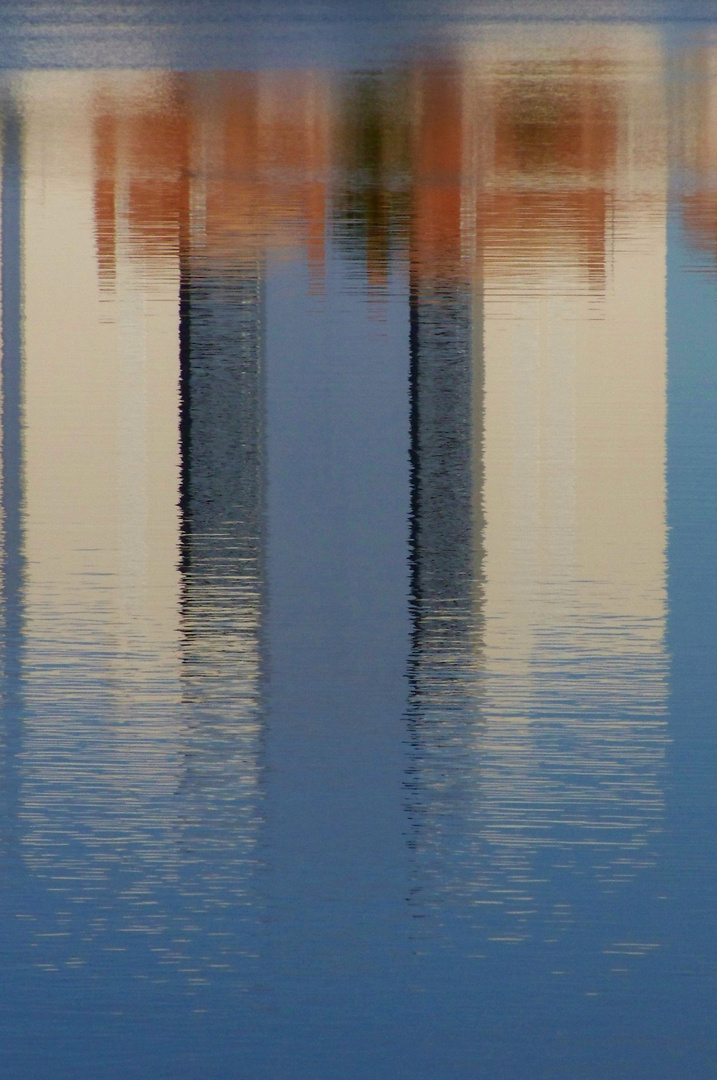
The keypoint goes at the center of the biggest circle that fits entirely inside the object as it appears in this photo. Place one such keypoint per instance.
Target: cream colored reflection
(108, 794)
(538, 709)
(574, 496)
(101, 516)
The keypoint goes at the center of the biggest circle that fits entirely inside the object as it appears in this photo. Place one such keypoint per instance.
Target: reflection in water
(101, 723)
(222, 498)
(525, 184)
(538, 702)
(518, 186)
(371, 149)
(142, 529)
(575, 505)
(446, 487)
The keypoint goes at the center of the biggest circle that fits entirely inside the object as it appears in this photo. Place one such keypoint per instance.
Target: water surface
(359, 495)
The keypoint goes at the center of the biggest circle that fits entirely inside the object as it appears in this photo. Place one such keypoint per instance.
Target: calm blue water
(358, 491)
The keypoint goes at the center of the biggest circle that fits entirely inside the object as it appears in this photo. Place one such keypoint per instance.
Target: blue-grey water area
(358, 541)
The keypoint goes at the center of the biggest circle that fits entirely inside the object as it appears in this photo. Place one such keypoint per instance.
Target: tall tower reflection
(526, 181)
(446, 481)
(254, 179)
(134, 477)
(208, 204)
(140, 471)
(221, 334)
(538, 727)
(98, 647)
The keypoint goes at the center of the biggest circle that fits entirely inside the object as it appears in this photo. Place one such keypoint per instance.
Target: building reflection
(522, 184)
(446, 475)
(538, 706)
(172, 172)
(97, 761)
(222, 494)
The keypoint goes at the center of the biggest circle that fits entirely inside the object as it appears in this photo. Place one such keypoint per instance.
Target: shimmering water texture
(359, 497)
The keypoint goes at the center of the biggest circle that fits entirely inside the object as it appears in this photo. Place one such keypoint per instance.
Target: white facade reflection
(552, 680)
(140, 669)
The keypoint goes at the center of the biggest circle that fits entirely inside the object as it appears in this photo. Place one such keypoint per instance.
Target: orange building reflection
(392, 164)
(543, 186)
(527, 160)
(223, 164)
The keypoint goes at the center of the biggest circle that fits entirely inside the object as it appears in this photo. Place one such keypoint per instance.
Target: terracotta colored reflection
(251, 150)
(481, 156)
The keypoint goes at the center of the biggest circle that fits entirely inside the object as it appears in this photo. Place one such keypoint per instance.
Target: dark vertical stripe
(185, 405)
(185, 343)
(478, 432)
(414, 443)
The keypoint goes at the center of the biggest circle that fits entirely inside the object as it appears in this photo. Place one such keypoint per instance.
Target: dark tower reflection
(222, 562)
(188, 193)
(538, 686)
(446, 389)
(442, 524)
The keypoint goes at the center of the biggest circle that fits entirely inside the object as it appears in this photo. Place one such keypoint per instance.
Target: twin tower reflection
(521, 187)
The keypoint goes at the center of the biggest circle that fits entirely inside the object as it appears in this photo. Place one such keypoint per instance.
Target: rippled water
(358, 525)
